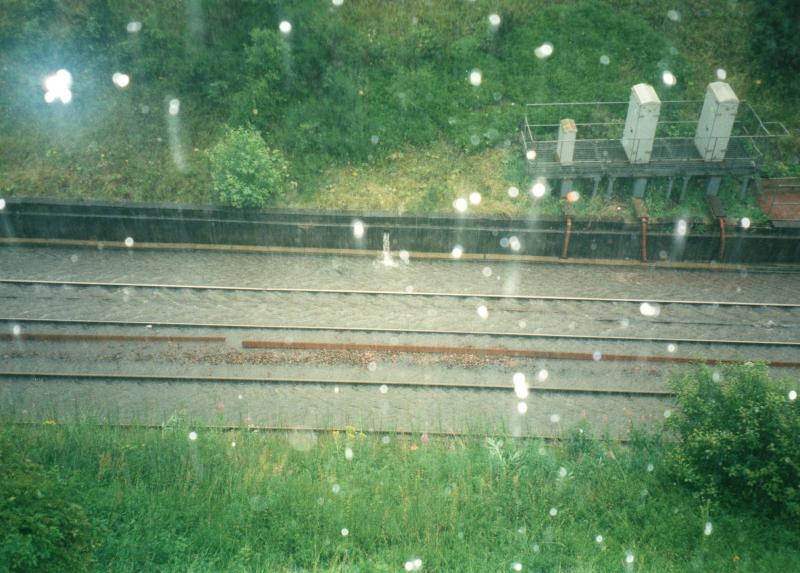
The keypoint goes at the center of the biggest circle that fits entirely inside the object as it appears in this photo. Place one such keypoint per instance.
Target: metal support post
(596, 185)
(684, 187)
(610, 190)
(639, 186)
(669, 188)
(566, 187)
(712, 189)
(743, 190)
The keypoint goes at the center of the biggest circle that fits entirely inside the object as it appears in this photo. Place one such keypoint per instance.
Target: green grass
(160, 501)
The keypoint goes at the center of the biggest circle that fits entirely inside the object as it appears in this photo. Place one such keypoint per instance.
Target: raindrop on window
(522, 407)
(792, 395)
(629, 557)
(544, 51)
(516, 566)
(721, 74)
(513, 192)
(494, 20)
(193, 436)
(460, 205)
(133, 27)
(174, 107)
(337, 3)
(530, 155)
(336, 488)
(708, 529)
(555, 418)
(129, 242)
(457, 252)
(745, 222)
(483, 312)
(669, 78)
(597, 356)
(121, 80)
(348, 454)
(383, 389)
(475, 77)
(598, 538)
(487, 272)
(562, 472)
(553, 512)
(358, 229)
(673, 15)
(542, 375)
(605, 60)
(538, 190)
(285, 27)
(2, 204)
(475, 198)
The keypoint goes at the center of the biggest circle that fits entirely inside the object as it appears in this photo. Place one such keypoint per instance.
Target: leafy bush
(41, 530)
(245, 172)
(737, 432)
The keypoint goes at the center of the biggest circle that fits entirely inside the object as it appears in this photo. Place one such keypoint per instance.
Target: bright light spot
(573, 196)
(745, 222)
(520, 386)
(2, 204)
(174, 106)
(538, 190)
(708, 529)
(129, 242)
(384, 389)
(671, 347)
(409, 566)
(483, 312)
(405, 256)
(542, 375)
(240, 397)
(721, 74)
(337, 3)
(562, 472)
(669, 78)
(374, 139)
(475, 198)
(358, 229)
(494, 20)
(597, 356)
(133, 27)
(792, 395)
(598, 538)
(487, 272)
(16, 330)
(74, 259)
(629, 557)
(667, 413)
(624, 322)
(385, 440)
(555, 418)
(516, 566)
(372, 366)
(285, 27)
(514, 243)
(535, 547)
(58, 87)
(648, 309)
(522, 407)
(335, 389)
(345, 532)
(120, 80)
(475, 77)
(530, 155)
(460, 204)
(417, 563)
(650, 467)
(457, 252)
(513, 192)
(605, 60)
(348, 454)
(673, 15)
(233, 444)
(544, 51)
(336, 488)
(193, 436)
(553, 512)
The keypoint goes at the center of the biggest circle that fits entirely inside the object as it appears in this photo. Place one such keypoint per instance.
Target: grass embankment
(246, 501)
(370, 102)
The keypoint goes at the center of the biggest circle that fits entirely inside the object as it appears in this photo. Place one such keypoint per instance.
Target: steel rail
(369, 292)
(328, 382)
(302, 328)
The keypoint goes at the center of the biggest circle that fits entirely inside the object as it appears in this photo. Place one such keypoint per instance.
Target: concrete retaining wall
(310, 229)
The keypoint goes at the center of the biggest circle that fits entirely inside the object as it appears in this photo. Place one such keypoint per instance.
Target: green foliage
(41, 529)
(737, 437)
(776, 26)
(245, 172)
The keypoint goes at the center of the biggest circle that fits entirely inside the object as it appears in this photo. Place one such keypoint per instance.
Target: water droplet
(745, 222)
(522, 407)
(457, 252)
(483, 312)
(522, 323)
(516, 566)
(133, 27)
(671, 347)
(649, 309)
(513, 192)
(120, 80)
(716, 376)
(721, 74)
(504, 242)
(673, 15)
(285, 27)
(669, 78)
(597, 356)
(409, 566)
(374, 139)
(535, 547)
(460, 205)
(598, 538)
(544, 51)
(475, 77)
(129, 242)
(2, 204)
(372, 366)
(336, 488)
(233, 444)
(358, 229)
(555, 418)
(58, 86)
(573, 197)
(16, 330)
(514, 243)
(667, 413)
(542, 375)
(629, 558)
(605, 60)
(385, 440)
(475, 198)
(73, 258)
(193, 436)
(792, 395)
(553, 512)
(650, 467)
(562, 472)
(538, 190)
(494, 20)
(487, 271)
(530, 155)
(174, 107)
(348, 454)
(337, 3)
(708, 529)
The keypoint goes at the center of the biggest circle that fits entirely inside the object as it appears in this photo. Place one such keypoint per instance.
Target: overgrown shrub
(737, 434)
(41, 531)
(245, 171)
